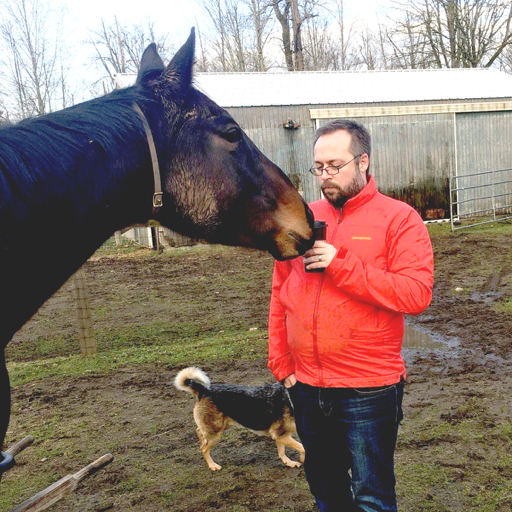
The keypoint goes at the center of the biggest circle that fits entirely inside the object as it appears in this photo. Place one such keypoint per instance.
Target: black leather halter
(157, 196)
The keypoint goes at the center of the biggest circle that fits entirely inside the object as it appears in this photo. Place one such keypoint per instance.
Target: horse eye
(233, 134)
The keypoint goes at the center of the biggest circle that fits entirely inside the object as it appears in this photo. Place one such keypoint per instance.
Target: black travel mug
(319, 233)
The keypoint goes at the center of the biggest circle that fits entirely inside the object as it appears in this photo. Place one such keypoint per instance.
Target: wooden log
(20, 445)
(47, 497)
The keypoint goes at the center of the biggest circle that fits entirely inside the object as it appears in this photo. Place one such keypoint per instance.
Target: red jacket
(344, 327)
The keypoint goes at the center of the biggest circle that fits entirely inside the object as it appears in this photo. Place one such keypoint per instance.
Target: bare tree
(32, 58)
(118, 48)
(282, 9)
(202, 57)
(237, 22)
(405, 46)
(241, 32)
(293, 15)
(219, 42)
(347, 58)
(262, 24)
(369, 48)
(451, 33)
(322, 50)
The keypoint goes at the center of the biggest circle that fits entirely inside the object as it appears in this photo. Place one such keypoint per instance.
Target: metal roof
(348, 87)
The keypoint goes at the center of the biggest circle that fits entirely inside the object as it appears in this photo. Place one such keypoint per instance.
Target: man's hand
(320, 255)
(290, 381)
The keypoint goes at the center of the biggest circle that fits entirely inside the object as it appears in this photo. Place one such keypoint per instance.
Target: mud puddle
(420, 341)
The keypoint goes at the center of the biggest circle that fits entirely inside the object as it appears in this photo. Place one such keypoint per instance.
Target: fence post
(88, 346)
(493, 194)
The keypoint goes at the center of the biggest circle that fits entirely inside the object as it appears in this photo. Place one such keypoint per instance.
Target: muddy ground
(455, 445)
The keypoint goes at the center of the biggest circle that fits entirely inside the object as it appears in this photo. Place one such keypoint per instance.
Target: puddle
(418, 341)
(486, 297)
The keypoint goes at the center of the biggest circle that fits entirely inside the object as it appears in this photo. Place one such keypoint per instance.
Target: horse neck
(72, 191)
(82, 163)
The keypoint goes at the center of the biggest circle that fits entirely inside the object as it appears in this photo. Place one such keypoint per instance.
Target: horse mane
(51, 146)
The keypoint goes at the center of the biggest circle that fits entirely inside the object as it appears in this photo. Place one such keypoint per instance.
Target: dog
(266, 410)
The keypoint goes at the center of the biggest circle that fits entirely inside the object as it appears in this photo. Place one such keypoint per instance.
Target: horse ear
(179, 70)
(151, 65)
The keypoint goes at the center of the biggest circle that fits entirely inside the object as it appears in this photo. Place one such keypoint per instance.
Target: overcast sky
(177, 16)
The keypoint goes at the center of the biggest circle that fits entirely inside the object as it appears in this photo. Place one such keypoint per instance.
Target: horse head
(217, 185)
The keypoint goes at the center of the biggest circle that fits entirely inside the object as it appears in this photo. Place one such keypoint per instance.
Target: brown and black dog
(264, 409)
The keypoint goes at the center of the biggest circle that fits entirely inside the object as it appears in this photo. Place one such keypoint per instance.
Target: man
(335, 337)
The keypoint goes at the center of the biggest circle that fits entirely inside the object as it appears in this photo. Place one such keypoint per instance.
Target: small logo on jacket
(361, 238)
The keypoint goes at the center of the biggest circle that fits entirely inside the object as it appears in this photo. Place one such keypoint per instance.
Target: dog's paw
(293, 464)
(214, 467)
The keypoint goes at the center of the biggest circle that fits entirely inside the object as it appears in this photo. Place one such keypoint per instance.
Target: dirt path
(455, 445)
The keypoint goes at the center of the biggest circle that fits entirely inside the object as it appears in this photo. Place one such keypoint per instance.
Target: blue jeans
(352, 430)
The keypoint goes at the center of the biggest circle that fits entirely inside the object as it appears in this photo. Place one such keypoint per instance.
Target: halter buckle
(157, 199)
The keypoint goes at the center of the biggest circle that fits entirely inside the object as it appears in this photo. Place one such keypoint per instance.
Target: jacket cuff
(281, 370)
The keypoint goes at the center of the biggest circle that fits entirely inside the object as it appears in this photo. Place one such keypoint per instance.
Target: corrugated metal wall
(291, 150)
(484, 144)
(413, 158)
(413, 155)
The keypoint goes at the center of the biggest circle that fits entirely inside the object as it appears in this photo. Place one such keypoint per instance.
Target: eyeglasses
(331, 170)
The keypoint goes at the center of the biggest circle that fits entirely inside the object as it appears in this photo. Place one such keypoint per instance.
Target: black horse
(87, 171)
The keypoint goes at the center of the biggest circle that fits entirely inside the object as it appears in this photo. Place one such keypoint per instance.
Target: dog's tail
(193, 380)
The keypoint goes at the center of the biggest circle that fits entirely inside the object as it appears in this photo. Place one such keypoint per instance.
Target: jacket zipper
(315, 311)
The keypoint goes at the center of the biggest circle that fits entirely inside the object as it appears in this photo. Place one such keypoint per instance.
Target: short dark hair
(361, 140)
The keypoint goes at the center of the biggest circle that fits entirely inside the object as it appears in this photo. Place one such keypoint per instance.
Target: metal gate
(481, 197)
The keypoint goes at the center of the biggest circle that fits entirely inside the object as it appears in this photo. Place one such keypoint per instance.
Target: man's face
(334, 149)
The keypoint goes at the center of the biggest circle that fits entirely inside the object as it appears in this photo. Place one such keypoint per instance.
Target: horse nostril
(303, 244)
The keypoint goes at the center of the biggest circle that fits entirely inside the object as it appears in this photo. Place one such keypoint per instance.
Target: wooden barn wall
(413, 158)
(484, 144)
(291, 150)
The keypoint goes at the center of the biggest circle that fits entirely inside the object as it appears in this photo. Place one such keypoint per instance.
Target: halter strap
(157, 196)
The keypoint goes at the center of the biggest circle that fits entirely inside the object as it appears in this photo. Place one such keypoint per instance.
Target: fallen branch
(65, 485)
(20, 445)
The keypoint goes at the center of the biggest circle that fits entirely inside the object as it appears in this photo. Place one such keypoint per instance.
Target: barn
(430, 128)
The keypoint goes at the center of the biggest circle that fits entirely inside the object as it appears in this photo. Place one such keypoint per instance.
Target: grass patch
(493, 228)
(500, 228)
(124, 350)
(495, 497)
(503, 306)
(10, 495)
(136, 336)
(418, 482)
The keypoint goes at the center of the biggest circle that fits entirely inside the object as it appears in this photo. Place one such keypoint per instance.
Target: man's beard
(341, 196)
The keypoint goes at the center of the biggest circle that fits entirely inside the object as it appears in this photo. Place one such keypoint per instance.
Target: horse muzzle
(295, 236)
